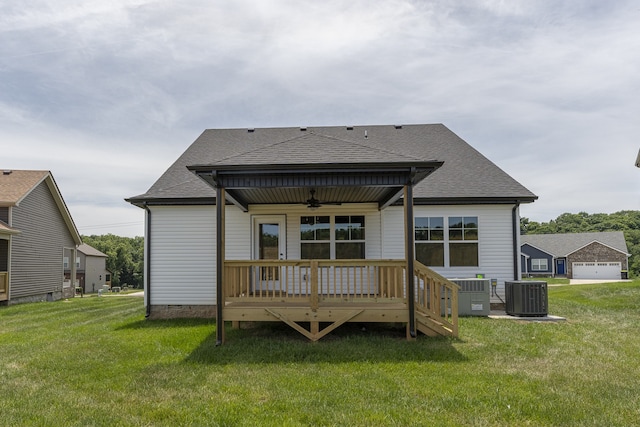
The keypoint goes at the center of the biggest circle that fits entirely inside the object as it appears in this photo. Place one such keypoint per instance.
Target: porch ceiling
(382, 183)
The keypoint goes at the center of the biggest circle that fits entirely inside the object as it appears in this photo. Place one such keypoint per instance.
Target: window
(315, 237)
(463, 241)
(539, 264)
(447, 242)
(326, 237)
(65, 262)
(349, 234)
(429, 238)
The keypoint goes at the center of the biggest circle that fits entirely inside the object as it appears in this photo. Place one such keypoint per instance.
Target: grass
(97, 361)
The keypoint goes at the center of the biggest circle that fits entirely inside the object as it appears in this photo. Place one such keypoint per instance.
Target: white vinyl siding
(183, 258)
(183, 243)
(183, 263)
(183, 252)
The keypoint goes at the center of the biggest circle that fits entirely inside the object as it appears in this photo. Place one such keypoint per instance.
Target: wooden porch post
(410, 255)
(220, 257)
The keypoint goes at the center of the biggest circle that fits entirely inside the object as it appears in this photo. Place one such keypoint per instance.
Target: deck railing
(315, 280)
(436, 296)
(4, 285)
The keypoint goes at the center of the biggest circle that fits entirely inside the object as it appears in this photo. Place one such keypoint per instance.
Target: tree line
(626, 221)
(125, 257)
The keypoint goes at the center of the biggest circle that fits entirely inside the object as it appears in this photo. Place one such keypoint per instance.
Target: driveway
(590, 281)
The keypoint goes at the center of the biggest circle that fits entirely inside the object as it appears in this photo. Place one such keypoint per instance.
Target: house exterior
(37, 234)
(325, 194)
(91, 271)
(600, 255)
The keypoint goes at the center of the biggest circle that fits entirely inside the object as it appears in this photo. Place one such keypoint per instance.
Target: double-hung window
(349, 234)
(315, 237)
(539, 264)
(447, 241)
(463, 241)
(332, 237)
(430, 241)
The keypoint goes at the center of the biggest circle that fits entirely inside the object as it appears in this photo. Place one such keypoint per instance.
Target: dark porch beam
(410, 254)
(390, 198)
(220, 256)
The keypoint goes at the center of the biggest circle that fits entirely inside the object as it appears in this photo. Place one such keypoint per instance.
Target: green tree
(125, 257)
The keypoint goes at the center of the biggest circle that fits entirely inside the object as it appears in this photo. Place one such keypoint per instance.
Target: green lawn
(97, 361)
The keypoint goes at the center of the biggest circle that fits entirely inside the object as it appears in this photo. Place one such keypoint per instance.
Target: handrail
(437, 296)
(315, 281)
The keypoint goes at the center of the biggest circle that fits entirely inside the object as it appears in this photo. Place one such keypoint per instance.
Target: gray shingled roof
(91, 251)
(563, 244)
(465, 176)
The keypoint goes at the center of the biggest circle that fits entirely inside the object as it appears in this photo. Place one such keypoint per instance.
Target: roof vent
(303, 128)
(349, 127)
(397, 126)
(366, 135)
(6, 172)
(251, 130)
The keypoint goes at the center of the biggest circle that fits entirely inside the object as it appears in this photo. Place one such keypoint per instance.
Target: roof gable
(312, 147)
(15, 185)
(90, 251)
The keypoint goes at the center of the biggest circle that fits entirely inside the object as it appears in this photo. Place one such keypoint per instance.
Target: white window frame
(332, 234)
(447, 242)
(536, 264)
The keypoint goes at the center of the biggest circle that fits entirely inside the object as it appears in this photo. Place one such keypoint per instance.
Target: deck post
(410, 255)
(314, 285)
(220, 244)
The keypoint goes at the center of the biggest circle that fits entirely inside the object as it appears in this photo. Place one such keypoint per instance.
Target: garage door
(596, 270)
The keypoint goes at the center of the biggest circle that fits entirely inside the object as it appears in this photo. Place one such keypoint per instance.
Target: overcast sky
(107, 94)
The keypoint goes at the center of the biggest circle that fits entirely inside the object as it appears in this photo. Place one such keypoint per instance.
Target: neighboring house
(324, 194)
(91, 271)
(601, 255)
(37, 234)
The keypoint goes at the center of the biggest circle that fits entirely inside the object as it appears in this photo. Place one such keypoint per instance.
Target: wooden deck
(333, 292)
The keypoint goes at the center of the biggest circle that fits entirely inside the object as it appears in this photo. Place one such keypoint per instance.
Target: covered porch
(315, 296)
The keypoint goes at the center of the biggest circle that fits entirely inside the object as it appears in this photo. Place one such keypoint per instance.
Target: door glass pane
(269, 243)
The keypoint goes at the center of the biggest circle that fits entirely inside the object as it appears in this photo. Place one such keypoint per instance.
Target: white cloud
(546, 89)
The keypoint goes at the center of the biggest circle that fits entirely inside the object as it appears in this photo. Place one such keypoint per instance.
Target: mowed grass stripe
(97, 361)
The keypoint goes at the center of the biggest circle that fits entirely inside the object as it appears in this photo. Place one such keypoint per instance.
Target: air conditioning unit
(527, 298)
(473, 296)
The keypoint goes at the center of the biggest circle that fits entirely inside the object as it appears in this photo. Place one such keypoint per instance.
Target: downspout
(147, 264)
(516, 233)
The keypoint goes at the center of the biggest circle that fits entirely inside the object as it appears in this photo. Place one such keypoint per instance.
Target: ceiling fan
(313, 203)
